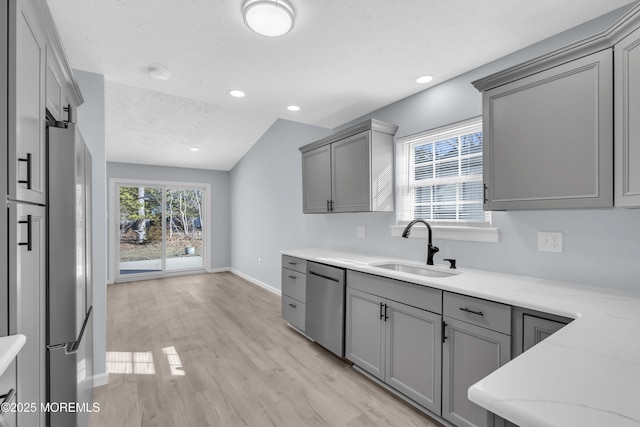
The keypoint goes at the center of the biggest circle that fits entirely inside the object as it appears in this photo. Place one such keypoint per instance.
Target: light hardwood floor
(242, 365)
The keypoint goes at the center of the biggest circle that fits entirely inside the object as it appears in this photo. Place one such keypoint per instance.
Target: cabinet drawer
(293, 263)
(293, 311)
(408, 293)
(487, 314)
(294, 284)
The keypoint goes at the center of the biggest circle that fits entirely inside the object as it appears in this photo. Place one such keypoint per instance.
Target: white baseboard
(100, 379)
(257, 282)
(218, 270)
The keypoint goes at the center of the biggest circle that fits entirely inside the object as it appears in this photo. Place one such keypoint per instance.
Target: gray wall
(266, 202)
(601, 246)
(219, 204)
(91, 124)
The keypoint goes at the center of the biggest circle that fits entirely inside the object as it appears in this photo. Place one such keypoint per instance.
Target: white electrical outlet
(360, 231)
(549, 241)
(259, 261)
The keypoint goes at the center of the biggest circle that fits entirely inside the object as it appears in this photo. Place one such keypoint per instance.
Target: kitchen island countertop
(586, 374)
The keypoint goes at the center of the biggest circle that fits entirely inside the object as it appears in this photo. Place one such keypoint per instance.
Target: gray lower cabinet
(396, 343)
(627, 120)
(547, 137)
(530, 327)
(350, 171)
(27, 273)
(470, 352)
(294, 291)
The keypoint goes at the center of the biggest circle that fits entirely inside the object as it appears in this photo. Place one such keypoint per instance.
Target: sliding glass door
(161, 229)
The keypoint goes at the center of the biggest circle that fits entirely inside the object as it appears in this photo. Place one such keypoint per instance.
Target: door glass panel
(183, 228)
(141, 249)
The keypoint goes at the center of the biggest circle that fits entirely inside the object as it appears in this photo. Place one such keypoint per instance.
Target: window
(440, 175)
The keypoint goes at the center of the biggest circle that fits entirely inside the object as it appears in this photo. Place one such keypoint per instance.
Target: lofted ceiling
(343, 59)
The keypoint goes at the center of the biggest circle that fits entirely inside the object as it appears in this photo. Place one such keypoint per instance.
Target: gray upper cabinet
(553, 124)
(350, 171)
(38, 78)
(26, 115)
(548, 140)
(627, 120)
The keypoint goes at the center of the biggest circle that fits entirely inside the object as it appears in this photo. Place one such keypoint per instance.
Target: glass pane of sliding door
(183, 228)
(141, 248)
(161, 229)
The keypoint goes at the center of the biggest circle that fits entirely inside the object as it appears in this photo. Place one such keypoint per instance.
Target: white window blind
(440, 174)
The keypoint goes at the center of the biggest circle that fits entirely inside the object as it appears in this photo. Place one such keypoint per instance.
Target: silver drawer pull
(479, 313)
(292, 305)
(293, 263)
(7, 398)
(292, 277)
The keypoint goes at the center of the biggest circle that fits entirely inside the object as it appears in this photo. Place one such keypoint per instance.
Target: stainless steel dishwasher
(324, 317)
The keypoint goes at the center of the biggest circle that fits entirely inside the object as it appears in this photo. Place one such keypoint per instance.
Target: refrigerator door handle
(72, 347)
(7, 398)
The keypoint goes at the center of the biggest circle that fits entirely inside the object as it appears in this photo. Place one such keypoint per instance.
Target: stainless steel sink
(414, 269)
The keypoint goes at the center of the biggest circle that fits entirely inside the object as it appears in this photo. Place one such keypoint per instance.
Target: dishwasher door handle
(323, 276)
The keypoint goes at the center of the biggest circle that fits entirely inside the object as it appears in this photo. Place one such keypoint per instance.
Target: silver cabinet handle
(7, 398)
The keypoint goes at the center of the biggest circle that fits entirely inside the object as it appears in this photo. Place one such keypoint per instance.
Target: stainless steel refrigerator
(69, 339)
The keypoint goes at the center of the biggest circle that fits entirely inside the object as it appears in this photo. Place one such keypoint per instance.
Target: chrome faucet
(431, 250)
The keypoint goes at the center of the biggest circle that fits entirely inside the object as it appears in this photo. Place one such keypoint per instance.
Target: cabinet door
(535, 329)
(364, 337)
(27, 272)
(351, 173)
(548, 139)
(627, 120)
(469, 354)
(316, 180)
(413, 354)
(27, 155)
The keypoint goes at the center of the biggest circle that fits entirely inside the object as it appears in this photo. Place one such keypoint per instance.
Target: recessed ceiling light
(159, 73)
(236, 93)
(293, 108)
(271, 18)
(194, 149)
(424, 79)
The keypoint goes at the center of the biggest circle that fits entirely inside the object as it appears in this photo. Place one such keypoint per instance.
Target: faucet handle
(452, 262)
(434, 249)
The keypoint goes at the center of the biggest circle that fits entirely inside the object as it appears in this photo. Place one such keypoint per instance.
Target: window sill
(447, 232)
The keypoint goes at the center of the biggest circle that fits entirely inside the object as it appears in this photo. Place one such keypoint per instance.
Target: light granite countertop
(586, 374)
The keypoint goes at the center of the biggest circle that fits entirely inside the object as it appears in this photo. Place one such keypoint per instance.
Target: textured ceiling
(343, 59)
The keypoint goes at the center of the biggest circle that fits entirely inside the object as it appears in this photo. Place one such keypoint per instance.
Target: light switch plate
(360, 231)
(549, 241)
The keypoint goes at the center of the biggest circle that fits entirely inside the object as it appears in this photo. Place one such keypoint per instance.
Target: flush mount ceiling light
(293, 108)
(194, 149)
(236, 93)
(424, 79)
(159, 73)
(271, 18)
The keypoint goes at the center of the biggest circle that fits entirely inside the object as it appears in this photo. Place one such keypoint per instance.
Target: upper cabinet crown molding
(371, 124)
(586, 46)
